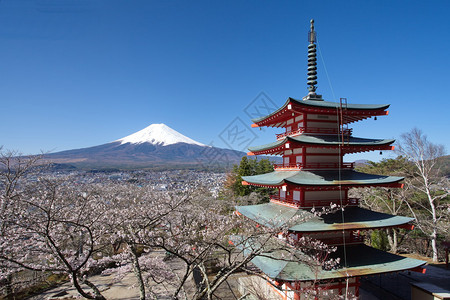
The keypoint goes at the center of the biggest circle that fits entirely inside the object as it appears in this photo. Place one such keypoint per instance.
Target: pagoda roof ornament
(312, 65)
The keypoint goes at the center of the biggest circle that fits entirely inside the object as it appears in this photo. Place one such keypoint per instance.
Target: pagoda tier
(341, 146)
(321, 179)
(275, 265)
(304, 221)
(306, 110)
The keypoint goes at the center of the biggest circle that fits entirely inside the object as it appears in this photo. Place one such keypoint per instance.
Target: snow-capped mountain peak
(158, 134)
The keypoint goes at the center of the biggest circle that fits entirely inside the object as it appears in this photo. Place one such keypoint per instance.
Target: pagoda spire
(312, 61)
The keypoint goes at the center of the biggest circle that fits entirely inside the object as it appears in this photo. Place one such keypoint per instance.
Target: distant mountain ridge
(156, 146)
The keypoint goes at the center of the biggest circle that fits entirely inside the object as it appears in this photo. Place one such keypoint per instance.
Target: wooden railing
(322, 203)
(321, 165)
(286, 201)
(352, 239)
(313, 203)
(313, 130)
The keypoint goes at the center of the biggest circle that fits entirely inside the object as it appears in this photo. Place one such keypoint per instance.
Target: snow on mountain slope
(158, 134)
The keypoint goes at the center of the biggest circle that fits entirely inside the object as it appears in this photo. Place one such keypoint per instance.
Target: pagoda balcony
(349, 240)
(315, 130)
(321, 165)
(289, 201)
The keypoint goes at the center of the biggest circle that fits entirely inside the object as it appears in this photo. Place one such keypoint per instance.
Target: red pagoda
(313, 175)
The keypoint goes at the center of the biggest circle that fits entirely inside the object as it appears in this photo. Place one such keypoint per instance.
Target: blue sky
(79, 73)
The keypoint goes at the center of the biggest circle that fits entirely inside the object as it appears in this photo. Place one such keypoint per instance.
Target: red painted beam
(419, 270)
(407, 226)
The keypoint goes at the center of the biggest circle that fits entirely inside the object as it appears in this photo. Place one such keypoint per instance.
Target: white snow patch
(158, 134)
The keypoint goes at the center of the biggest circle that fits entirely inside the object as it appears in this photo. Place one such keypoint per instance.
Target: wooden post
(446, 245)
(446, 258)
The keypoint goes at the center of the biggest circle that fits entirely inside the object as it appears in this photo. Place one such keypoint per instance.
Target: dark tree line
(248, 167)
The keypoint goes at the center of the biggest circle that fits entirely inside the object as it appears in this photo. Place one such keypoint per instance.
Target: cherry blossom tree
(213, 242)
(136, 213)
(13, 168)
(64, 226)
(49, 225)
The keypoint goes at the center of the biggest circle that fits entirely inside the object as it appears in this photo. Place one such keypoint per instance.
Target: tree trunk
(392, 239)
(97, 293)
(8, 287)
(77, 286)
(199, 283)
(434, 216)
(137, 271)
(434, 246)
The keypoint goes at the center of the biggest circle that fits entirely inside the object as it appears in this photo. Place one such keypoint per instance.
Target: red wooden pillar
(305, 122)
(297, 293)
(302, 197)
(303, 156)
(357, 287)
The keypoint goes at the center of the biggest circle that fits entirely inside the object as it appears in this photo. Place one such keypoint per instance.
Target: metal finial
(311, 32)
(312, 60)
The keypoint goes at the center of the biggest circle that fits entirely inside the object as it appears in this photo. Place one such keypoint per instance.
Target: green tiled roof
(361, 260)
(302, 220)
(334, 105)
(326, 140)
(326, 104)
(316, 178)
(268, 146)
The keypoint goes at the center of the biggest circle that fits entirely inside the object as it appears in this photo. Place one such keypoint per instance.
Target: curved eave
(316, 178)
(275, 148)
(354, 108)
(334, 140)
(356, 218)
(372, 262)
(276, 119)
(273, 179)
(351, 112)
(350, 145)
(301, 220)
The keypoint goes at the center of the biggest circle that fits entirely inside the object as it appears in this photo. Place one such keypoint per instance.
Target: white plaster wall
(323, 195)
(318, 124)
(322, 150)
(321, 158)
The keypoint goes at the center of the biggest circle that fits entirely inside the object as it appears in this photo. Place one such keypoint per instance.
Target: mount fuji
(158, 134)
(157, 147)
